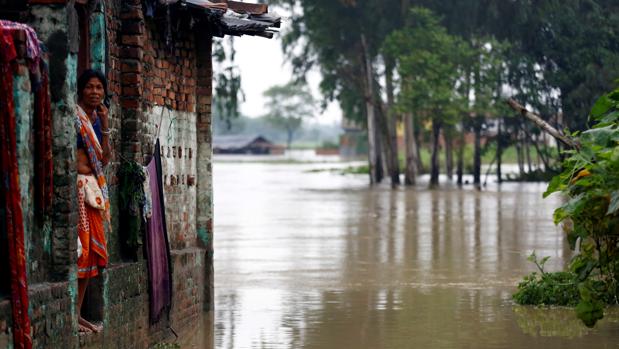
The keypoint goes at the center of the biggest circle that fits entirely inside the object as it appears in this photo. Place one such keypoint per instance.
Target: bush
(590, 215)
(557, 288)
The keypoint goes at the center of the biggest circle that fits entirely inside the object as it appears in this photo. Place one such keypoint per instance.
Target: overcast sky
(261, 62)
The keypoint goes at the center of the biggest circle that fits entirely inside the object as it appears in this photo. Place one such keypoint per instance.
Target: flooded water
(307, 259)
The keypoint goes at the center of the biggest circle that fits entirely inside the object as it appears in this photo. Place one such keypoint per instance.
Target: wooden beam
(245, 7)
(47, 2)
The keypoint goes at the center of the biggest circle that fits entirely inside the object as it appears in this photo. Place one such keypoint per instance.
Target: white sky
(261, 64)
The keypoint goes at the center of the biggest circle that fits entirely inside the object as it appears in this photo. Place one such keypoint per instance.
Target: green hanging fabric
(131, 196)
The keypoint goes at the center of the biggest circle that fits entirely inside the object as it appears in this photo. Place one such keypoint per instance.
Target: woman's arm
(102, 112)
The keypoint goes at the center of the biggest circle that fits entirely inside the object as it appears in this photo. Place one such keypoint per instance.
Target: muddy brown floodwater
(309, 259)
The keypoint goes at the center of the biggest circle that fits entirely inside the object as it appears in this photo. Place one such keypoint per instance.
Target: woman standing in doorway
(93, 153)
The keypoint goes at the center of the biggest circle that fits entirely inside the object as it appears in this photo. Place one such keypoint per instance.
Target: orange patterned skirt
(91, 233)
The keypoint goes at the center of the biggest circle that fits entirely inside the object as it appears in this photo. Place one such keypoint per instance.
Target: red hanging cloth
(44, 170)
(10, 196)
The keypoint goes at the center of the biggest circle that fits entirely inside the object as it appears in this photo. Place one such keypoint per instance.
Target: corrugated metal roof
(238, 18)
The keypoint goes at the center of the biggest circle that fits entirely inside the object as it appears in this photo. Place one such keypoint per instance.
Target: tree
(288, 105)
(427, 59)
(228, 91)
(342, 38)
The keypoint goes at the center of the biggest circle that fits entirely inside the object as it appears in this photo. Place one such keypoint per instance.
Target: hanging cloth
(10, 196)
(157, 244)
(132, 177)
(39, 77)
(44, 162)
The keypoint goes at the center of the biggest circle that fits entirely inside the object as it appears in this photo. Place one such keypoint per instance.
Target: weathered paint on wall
(178, 148)
(24, 110)
(98, 46)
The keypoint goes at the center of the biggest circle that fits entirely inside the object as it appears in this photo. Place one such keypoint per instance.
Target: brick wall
(51, 303)
(204, 209)
(51, 245)
(156, 89)
(52, 326)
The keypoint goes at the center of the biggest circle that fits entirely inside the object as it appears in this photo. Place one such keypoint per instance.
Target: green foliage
(329, 145)
(228, 92)
(590, 215)
(428, 64)
(363, 169)
(455, 58)
(544, 288)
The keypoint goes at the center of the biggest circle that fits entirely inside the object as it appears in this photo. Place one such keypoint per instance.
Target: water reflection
(319, 260)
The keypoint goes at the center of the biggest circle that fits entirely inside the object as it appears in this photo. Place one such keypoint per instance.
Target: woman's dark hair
(86, 76)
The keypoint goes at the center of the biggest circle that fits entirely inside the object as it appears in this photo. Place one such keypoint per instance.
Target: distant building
(353, 142)
(235, 144)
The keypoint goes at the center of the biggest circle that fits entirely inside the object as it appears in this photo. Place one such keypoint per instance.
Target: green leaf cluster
(228, 92)
(429, 65)
(559, 288)
(590, 214)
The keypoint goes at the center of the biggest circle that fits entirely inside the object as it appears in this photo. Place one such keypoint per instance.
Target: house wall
(157, 90)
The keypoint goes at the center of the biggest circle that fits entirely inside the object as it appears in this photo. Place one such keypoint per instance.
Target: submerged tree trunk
(527, 151)
(477, 155)
(387, 143)
(420, 167)
(520, 157)
(380, 166)
(290, 135)
(477, 123)
(373, 151)
(499, 150)
(541, 156)
(538, 159)
(449, 157)
(460, 156)
(393, 162)
(434, 165)
(410, 149)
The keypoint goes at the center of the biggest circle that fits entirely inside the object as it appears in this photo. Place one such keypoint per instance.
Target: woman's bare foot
(90, 326)
(84, 329)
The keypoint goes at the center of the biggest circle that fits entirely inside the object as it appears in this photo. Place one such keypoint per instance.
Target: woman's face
(93, 93)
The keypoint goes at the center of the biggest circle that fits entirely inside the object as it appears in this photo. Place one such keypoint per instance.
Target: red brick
(131, 91)
(131, 66)
(135, 27)
(131, 78)
(132, 13)
(132, 40)
(132, 52)
(130, 103)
